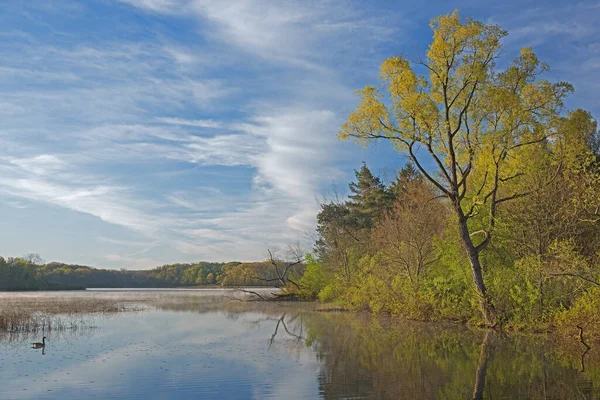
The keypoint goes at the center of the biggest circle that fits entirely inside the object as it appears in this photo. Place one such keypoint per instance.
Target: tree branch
(424, 172)
(573, 275)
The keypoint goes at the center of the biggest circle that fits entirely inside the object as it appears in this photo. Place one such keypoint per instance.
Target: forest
(494, 217)
(30, 273)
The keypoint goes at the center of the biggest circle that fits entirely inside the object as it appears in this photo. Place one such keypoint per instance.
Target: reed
(32, 314)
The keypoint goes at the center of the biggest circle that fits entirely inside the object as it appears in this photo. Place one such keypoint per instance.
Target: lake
(206, 344)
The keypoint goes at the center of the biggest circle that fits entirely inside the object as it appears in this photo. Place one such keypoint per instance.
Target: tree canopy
(475, 122)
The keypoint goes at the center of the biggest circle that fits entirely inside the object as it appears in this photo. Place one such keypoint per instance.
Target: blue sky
(136, 133)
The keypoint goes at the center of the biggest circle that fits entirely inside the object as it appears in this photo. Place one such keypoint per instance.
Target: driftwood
(265, 296)
(282, 270)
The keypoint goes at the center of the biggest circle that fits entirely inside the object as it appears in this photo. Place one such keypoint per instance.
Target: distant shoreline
(91, 289)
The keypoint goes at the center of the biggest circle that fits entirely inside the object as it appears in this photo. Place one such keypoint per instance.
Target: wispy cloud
(296, 158)
(162, 6)
(200, 123)
(565, 35)
(198, 129)
(294, 32)
(104, 202)
(43, 164)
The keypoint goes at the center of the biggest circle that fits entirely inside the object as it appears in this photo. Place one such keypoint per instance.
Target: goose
(38, 345)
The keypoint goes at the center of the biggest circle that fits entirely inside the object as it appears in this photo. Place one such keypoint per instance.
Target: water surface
(203, 344)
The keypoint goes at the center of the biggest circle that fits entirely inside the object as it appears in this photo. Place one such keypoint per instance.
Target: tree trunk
(487, 309)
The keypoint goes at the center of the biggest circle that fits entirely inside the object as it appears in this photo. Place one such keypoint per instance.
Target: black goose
(38, 345)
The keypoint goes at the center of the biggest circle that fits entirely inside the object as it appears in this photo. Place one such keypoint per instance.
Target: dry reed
(34, 314)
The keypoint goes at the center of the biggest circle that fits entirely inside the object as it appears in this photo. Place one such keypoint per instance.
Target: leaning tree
(463, 122)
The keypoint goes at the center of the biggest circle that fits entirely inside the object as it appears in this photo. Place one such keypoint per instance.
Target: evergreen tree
(369, 198)
(404, 178)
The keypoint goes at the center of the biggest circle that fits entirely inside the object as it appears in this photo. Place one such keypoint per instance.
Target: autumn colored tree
(404, 236)
(469, 119)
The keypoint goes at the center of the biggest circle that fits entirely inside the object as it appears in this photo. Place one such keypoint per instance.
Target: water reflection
(484, 355)
(197, 345)
(281, 321)
(384, 359)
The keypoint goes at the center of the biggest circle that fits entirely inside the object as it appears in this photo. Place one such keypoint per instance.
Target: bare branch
(518, 174)
(521, 144)
(437, 160)
(572, 275)
(514, 196)
(424, 172)
(244, 290)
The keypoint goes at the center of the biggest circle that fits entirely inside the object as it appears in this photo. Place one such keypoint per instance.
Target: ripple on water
(194, 345)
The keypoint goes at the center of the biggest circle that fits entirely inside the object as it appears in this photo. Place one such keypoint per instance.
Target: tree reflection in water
(373, 357)
(362, 356)
(378, 358)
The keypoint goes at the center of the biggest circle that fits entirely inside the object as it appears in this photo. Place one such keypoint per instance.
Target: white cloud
(297, 158)
(120, 242)
(16, 204)
(182, 56)
(200, 123)
(161, 6)
(47, 179)
(129, 131)
(43, 164)
(113, 82)
(294, 32)
(103, 202)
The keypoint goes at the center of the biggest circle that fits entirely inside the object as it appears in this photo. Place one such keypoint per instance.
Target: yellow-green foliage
(448, 287)
(585, 313)
(314, 279)
(519, 179)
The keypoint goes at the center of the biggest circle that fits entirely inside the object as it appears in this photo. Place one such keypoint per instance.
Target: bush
(584, 312)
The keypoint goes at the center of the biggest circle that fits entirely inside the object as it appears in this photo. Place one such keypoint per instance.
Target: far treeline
(496, 216)
(30, 273)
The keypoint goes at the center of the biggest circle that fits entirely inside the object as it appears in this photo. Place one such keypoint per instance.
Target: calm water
(202, 344)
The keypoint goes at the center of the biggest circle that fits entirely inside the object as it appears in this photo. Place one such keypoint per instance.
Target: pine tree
(369, 198)
(407, 175)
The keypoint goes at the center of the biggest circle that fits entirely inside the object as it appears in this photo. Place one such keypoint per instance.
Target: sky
(137, 133)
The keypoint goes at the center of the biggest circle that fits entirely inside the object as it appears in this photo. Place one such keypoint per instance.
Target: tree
(282, 274)
(210, 278)
(339, 233)
(404, 236)
(469, 119)
(285, 270)
(369, 198)
(33, 258)
(343, 226)
(404, 178)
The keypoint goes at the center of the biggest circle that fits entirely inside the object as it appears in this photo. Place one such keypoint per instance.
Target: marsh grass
(22, 313)
(30, 314)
